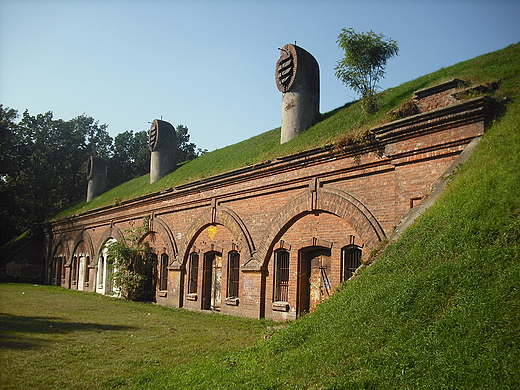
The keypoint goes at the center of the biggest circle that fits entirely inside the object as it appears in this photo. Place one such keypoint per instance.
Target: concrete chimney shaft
(163, 145)
(96, 176)
(298, 78)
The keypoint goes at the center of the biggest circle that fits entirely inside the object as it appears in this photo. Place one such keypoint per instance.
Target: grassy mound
(349, 119)
(440, 309)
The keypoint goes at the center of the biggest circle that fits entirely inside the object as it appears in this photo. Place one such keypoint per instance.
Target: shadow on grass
(12, 327)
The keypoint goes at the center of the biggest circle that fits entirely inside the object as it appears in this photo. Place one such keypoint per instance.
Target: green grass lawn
(53, 338)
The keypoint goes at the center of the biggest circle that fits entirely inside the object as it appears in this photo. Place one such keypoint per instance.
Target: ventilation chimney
(298, 78)
(96, 176)
(162, 140)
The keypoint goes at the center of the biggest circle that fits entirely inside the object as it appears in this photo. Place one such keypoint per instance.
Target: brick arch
(64, 242)
(228, 218)
(353, 211)
(84, 237)
(111, 232)
(218, 215)
(159, 226)
(212, 248)
(314, 241)
(331, 201)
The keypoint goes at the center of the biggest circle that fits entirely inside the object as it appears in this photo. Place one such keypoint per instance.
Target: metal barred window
(74, 268)
(87, 271)
(193, 276)
(281, 283)
(164, 272)
(351, 260)
(233, 274)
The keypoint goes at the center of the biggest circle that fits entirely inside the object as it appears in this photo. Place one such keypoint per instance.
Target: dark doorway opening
(314, 280)
(212, 281)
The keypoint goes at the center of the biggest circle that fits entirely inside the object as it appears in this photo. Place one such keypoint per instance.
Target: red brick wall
(437, 96)
(317, 199)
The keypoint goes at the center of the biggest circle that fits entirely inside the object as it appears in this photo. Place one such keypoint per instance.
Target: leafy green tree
(133, 265)
(43, 164)
(53, 160)
(7, 139)
(187, 150)
(364, 63)
(8, 161)
(86, 137)
(93, 137)
(131, 157)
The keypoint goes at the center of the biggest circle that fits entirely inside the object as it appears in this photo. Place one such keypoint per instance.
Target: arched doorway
(105, 271)
(56, 271)
(57, 267)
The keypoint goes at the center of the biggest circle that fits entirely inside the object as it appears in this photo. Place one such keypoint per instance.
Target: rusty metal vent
(152, 135)
(286, 68)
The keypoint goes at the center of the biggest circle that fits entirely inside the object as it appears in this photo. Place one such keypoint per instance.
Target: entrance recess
(212, 281)
(314, 282)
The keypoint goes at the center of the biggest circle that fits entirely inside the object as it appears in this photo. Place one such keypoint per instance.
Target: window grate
(164, 272)
(193, 277)
(281, 276)
(233, 274)
(351, 261)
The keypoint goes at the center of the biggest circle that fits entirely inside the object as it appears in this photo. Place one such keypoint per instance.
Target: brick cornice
(468, 111)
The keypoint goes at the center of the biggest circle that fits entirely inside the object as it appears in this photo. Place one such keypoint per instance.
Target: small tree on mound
(364, 63)
(133, 264)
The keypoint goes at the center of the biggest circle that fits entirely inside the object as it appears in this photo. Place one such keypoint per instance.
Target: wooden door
(314, 282)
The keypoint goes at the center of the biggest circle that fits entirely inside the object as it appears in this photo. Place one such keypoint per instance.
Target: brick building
(274, 241)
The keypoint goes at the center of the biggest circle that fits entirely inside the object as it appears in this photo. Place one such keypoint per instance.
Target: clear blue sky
(210, 64)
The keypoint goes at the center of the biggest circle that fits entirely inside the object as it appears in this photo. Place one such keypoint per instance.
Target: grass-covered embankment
(493, 67)
(439, 309)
